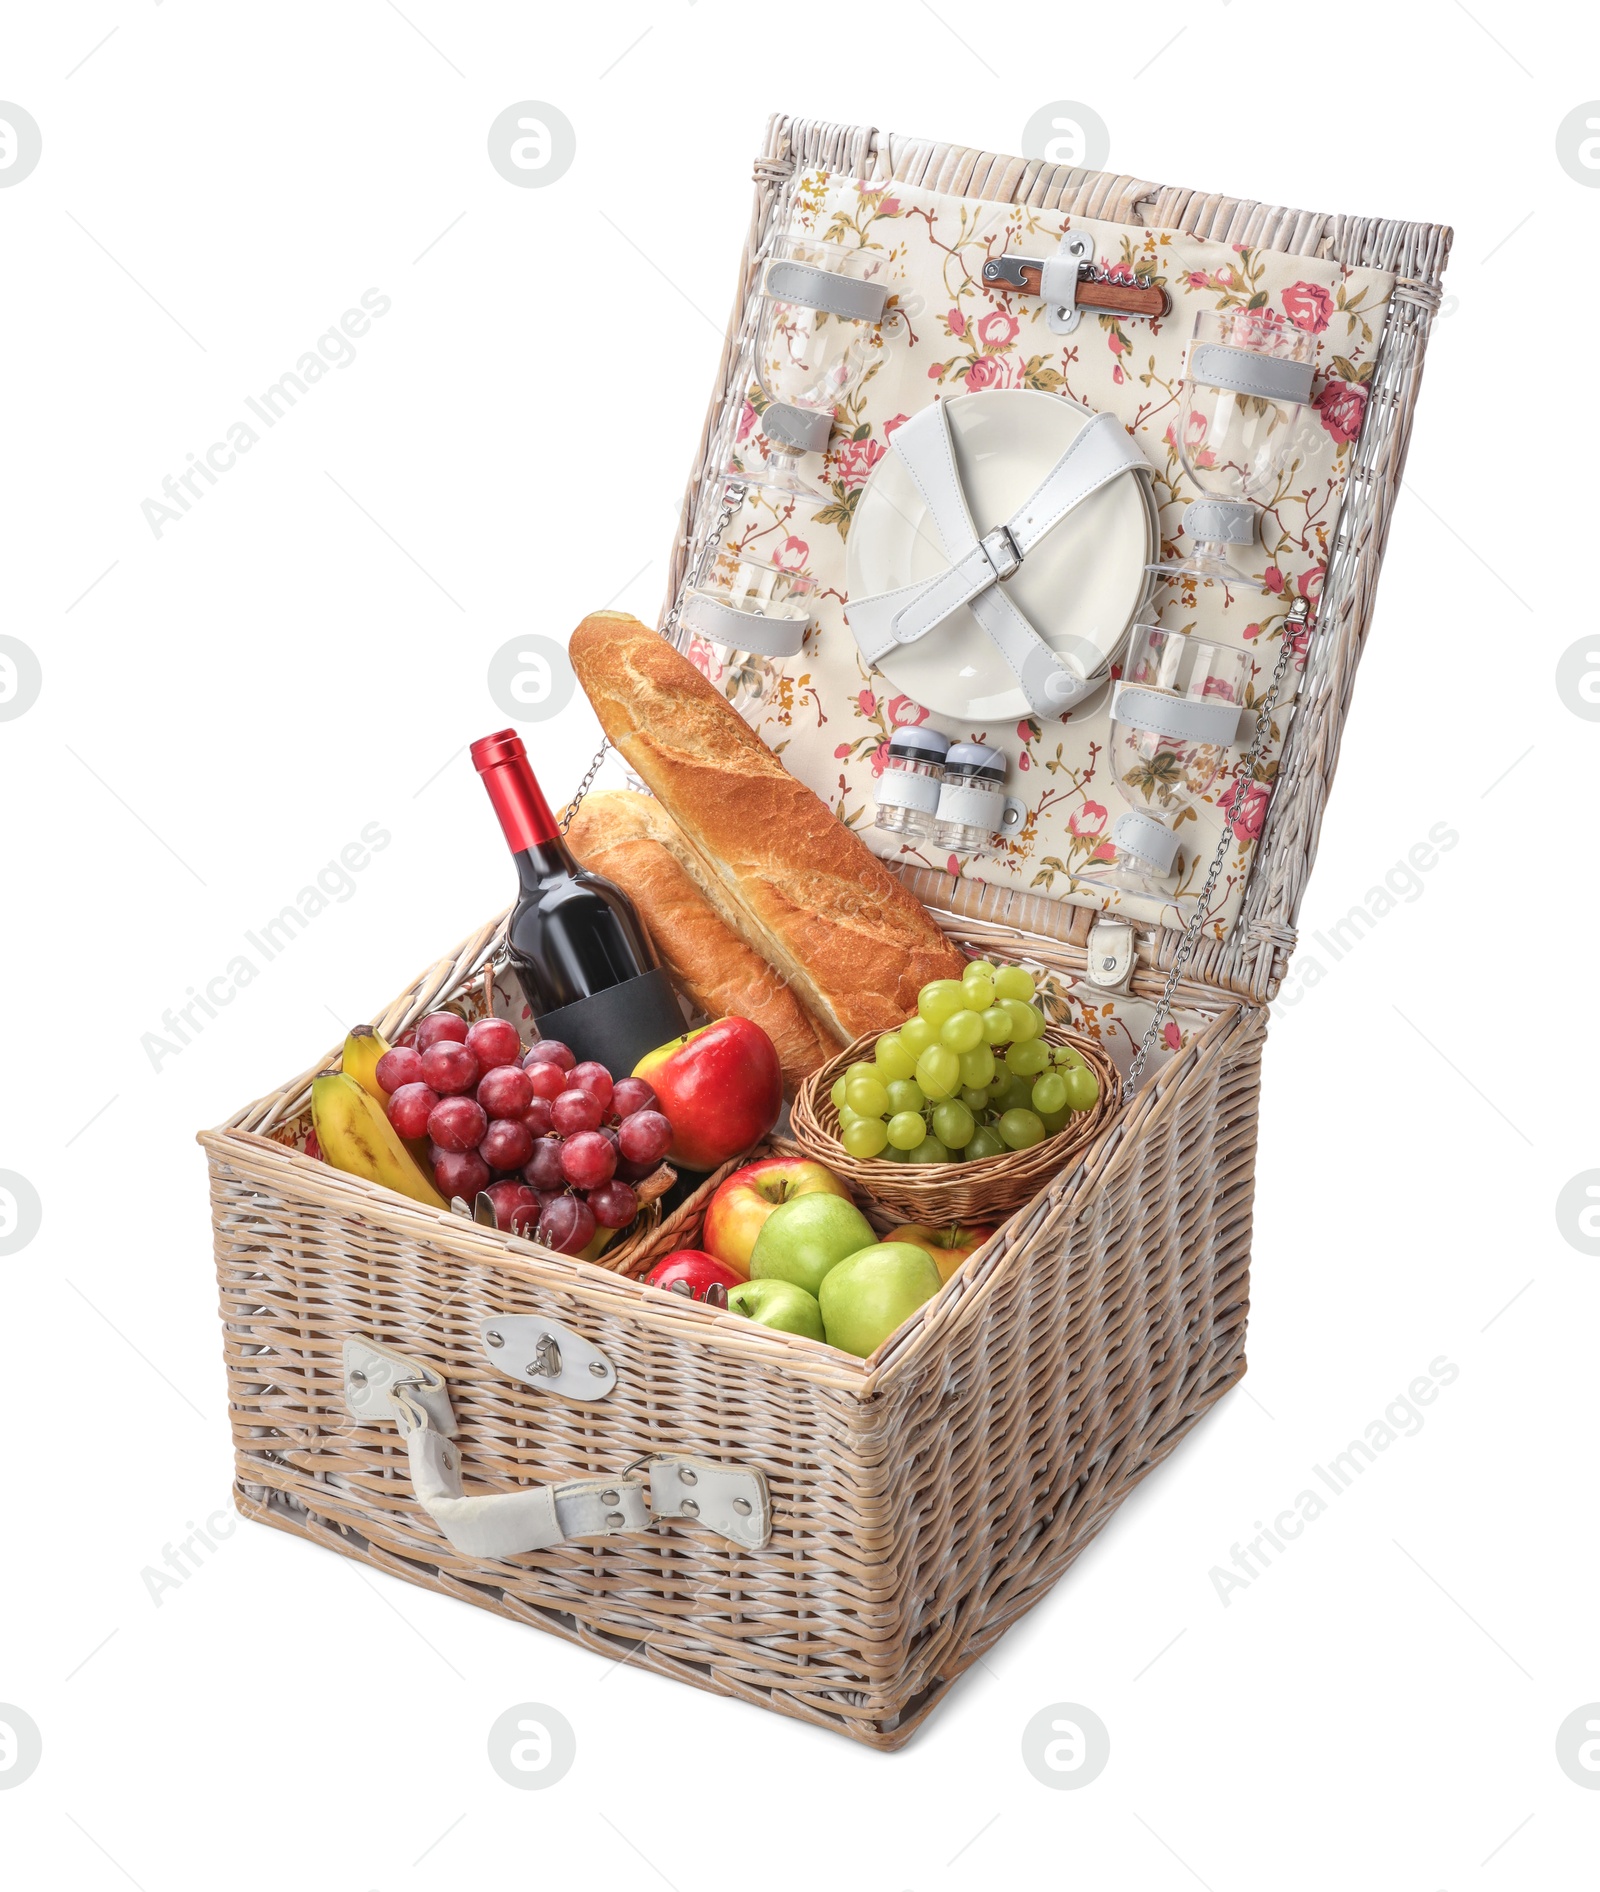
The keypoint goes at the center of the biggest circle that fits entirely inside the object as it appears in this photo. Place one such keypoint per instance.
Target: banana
(363, 1047)
(357, 1137)
(362, 1050)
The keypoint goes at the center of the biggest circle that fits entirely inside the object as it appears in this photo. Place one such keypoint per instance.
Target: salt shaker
(907, 794)
(973, 803)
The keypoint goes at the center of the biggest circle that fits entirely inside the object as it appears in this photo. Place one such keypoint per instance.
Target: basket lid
(856, 183)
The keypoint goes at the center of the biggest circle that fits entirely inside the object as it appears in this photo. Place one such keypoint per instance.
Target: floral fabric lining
(830, 716)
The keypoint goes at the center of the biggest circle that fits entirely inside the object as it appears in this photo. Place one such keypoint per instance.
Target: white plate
(1083, 582)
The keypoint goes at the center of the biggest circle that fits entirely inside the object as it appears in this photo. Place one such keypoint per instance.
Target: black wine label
(618, 1026)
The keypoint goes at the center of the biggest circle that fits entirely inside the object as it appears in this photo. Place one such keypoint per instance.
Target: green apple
(865, 1298)
(778, 1304)
(805, 1237)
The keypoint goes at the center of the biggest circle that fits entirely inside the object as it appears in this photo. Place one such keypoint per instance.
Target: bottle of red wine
(578, 948)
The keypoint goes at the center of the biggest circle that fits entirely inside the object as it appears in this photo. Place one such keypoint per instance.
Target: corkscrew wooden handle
(1122, 298)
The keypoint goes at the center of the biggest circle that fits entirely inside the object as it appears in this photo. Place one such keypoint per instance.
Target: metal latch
(1112, 954)
(548, 1355)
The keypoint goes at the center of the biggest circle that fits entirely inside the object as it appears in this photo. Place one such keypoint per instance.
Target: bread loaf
(802, 889)
(631, 840)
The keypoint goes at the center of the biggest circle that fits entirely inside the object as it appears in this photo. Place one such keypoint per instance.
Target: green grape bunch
(971, 1075)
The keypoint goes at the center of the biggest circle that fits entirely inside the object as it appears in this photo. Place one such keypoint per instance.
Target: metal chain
(1298, 616)
(587, 783)
(733, 499)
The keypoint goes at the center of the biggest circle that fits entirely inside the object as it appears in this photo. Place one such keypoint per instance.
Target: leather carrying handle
(381, 1383)
(507, 1523)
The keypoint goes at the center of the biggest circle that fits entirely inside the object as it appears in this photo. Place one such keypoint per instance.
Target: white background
(229, 704)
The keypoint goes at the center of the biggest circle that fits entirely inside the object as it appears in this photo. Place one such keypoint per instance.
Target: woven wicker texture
(922, 1500)
(1075, 1347)
(987, 1190)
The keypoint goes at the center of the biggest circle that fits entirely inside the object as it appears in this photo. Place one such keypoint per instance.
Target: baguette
(801, 889)
(631, 841)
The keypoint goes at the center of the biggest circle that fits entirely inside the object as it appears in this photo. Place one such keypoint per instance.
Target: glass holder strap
(1299, 616)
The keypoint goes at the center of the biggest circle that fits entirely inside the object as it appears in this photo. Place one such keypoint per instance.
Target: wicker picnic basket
(833, 1538)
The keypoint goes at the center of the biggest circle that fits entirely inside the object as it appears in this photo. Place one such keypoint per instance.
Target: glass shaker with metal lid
(973, 803)
(907, 794)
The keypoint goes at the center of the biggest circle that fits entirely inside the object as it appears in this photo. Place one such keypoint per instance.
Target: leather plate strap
(977, 567)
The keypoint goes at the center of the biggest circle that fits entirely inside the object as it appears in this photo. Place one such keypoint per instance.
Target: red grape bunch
(556, 1145)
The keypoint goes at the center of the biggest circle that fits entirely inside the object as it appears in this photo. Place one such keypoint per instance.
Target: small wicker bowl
(987, 1190)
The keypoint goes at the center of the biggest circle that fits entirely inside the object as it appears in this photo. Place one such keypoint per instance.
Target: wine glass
(1246, 380)
(1174, 718)
(810, 354)
(755, 594)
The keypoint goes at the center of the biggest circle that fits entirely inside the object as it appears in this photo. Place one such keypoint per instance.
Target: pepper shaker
(907, 794)
(973, 803)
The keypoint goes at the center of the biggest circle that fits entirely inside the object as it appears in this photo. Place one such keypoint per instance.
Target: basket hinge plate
(547, 1355)
(1112, 954)
(372, 1371)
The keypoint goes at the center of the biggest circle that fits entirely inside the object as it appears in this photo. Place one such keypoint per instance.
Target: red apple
(696, 1269)
(744, 1201)
(720, 1087)
(948, 1246)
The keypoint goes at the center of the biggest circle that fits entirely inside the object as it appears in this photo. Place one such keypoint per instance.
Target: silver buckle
(1001, 551)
